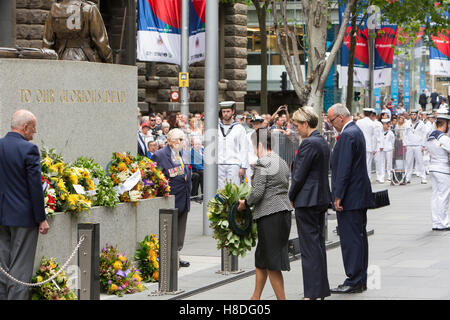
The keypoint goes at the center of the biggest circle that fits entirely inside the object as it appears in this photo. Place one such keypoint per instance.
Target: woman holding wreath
(272, 212)
(310, 195)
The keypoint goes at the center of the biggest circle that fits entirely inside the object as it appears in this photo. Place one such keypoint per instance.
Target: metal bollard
(229, 263)
(168, 252)
(89, 261)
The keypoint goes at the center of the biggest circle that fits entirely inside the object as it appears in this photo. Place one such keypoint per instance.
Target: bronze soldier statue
(75, 30)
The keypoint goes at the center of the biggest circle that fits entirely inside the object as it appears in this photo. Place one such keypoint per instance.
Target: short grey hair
(340, 110)
(20, 118)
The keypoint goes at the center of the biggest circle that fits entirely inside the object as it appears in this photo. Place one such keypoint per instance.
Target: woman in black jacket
(310, 195)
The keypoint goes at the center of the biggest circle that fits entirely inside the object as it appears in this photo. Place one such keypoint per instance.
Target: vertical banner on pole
(407, 85)
(384, 54)
(159, 31)
(440, 55)
(361, 61)
(394, 85)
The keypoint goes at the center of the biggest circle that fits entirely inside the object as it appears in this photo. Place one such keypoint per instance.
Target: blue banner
(394, 84)
(407, 86)
(159, 31)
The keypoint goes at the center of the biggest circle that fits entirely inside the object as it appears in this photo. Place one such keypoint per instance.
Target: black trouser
(182, 222)
(310, 226)
(17, 252)
(197, 179)
(354, 245)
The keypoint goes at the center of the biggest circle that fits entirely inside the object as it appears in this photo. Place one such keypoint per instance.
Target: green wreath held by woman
(233, 229)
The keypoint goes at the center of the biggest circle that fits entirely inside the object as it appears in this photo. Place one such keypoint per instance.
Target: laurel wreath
(233, 229)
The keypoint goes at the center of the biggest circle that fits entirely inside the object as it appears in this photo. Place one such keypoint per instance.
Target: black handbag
(381, 199)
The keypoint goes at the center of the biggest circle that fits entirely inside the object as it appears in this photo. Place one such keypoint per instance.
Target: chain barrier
(52, 277)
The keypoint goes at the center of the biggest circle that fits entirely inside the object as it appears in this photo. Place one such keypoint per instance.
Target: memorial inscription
(50, 96)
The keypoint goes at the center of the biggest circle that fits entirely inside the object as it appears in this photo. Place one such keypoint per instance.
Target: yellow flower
(52, 265)
(155, 264)
(47, 161)
(155, 275)
(117, 265)
(73, 178)
(91, 184)
(122, 258)
(53, 168)
(122, 166)
(113, 288)
(140, 287)
(137, 277)
(61, 185)
(39, 279)
(73, 199)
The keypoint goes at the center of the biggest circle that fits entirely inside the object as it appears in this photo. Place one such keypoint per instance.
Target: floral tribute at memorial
(57, 289)
(137, 177)
(78, 186)
(234, 230)
(147, 258)
(117, 274)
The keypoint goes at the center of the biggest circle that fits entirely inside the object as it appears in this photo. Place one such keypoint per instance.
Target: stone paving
(407, 260)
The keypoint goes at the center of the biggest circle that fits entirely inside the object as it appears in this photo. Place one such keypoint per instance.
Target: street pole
(184, 91)
(211, 108)
(369, 104)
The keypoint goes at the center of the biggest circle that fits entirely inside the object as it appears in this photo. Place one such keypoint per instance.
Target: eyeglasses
(331, 121)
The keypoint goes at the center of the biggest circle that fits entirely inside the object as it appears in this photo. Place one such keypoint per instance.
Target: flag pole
(184, 90)
(211, 108)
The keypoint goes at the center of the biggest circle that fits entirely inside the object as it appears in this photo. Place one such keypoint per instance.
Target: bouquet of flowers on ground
(147, 258)
(122, 168)
(226, 222)
(154, 182)
(57, 289)
(105, 194)
(117, 274)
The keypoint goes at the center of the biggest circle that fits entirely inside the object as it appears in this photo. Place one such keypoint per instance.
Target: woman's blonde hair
(308, 115)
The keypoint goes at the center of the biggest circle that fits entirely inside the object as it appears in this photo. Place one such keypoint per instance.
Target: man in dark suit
(352, 195)
(434, 99)
(310, 195)
(423, 100)
(22, 211)
(170, 160)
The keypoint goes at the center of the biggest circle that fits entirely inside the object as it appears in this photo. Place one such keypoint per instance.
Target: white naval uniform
(379, 167)
(252, 158)
(387, 143)
(414, 140)
(429, 128)
(369, 130)
(438, 145)
(232, 153)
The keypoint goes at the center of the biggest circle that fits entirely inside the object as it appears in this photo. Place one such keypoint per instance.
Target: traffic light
(283, 77)
(357, 96)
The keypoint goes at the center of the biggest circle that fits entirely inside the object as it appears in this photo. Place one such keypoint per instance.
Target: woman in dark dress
(272, 212)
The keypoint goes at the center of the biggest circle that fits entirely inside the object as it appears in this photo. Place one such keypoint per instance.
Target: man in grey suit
(352, 195)
(22, 211)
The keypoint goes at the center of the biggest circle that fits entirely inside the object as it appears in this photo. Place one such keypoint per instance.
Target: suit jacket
(349, 180)
(21, 194)
(180, 185)
(270, 185)
(310, 185)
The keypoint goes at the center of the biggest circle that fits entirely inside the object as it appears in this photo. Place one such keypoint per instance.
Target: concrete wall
(124, 226)
(82, 109)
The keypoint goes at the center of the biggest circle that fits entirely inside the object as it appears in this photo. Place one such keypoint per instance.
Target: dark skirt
(273, 236)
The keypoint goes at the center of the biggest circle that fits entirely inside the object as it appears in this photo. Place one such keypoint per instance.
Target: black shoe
(441, 229)
(348, 289)
(184, 264)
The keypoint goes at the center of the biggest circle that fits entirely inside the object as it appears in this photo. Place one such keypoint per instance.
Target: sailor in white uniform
(232, 147)
(378, 158)
(414, 141)
(438, 144)
(386, 149)
(429, 128)
(369, 130)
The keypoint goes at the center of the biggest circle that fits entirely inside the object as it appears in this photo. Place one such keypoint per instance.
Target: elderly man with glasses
(170, 160)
